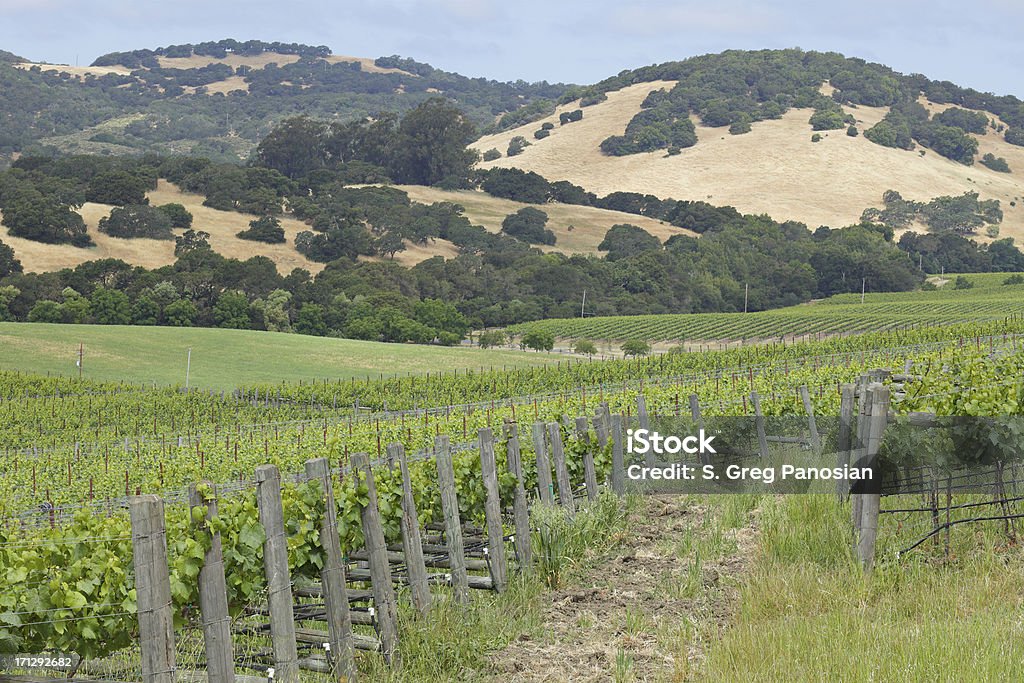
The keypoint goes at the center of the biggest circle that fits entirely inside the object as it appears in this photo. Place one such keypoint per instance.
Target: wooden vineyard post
(762, 438)
(520, 508)
(544, 485)
(844, 438)
(618, 458)
(492, 511)
(589, 473)
(213, 596)
(878, 402)
(857, 502)
(152, 588)
(412, 543)
(279, 583)
(561, 471)
(332, 576)
(380, 567)
(698, 420)
(645, 423)
(601, 427)
(812, 424)
(452, 523)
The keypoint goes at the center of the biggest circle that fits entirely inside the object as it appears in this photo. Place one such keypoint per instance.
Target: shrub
(1015, 279)
(541, 133)
(547, 125)
(266, 229)
(995, 163)
(852, 131)
(527, 225)
(136, 221)
(538, 340)
(636, 347)
(491, 338)
(962, 283)
(584, 347)
(570, 116)
(827, 119)
(179, 215)
(1014, 136)
(516, 146)
(816, 137)
(491, 154)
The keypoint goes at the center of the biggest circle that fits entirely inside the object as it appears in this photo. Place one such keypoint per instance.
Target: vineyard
(988, 299)
(76, 454)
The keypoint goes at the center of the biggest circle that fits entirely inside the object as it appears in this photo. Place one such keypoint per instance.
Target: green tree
(636, 347)
(527, 224)
(109, 307)
(491, 338)
(8, 293)
(46, 311)
(137, 221)
(516, 146)
(266, 229)
(191, 240)
(180, 313)
(584, 347)
(294, 147)
(9, 264)
(75, 307)
(538, 340)
(145, 309)
(441, 315)
(232, 311)
(310, 320)
(273, 311)
(179, 215)
(117, 187)
(625, 240)
(431, 144)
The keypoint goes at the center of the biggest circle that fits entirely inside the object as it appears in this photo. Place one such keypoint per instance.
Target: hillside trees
(9, 264)
(265, 229)
(139, 220)
(527, 224)
(625, 240)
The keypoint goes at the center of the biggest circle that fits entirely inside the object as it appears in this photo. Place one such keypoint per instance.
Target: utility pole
(746, 293)
(188, 366)
(583, 308)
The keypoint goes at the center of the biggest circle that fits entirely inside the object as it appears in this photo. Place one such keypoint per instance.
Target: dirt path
(643, 612)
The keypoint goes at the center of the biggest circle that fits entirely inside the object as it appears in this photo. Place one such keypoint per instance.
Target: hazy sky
(976, 44)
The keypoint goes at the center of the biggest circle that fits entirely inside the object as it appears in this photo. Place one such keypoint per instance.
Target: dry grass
(775, 169)
(226, 86)
(79, 71)
(261, 60)
(222, 226)
(589, 225)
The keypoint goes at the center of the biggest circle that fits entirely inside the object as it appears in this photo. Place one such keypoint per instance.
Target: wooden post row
(380, 566)
(152, 588)
(492, 511)
(762, 438)
(544, 485)
(589, 473)
(520, 508)
(213, 597)
(339, 622)
(412, 542)
(561, 471)
(878, 402)
(812, 425)
(275, 566)
(452, 523)
(618, 457)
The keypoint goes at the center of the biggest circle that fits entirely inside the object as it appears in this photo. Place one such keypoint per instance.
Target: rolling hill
(774, 169)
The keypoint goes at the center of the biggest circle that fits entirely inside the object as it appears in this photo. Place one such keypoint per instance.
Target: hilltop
(218, 99)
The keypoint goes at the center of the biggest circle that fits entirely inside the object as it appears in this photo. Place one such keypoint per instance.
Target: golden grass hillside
(578, 229)
(774, 169)
(222, 226)
(225, 86)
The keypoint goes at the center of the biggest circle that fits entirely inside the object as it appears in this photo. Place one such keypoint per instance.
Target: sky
(974, 44)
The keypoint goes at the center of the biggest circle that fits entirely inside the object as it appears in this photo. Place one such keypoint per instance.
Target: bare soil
(625, 619)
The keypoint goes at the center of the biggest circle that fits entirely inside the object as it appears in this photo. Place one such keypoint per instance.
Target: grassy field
(224, 359)
(988, 299)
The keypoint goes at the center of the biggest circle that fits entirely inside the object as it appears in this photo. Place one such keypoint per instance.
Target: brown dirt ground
(587, 624)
